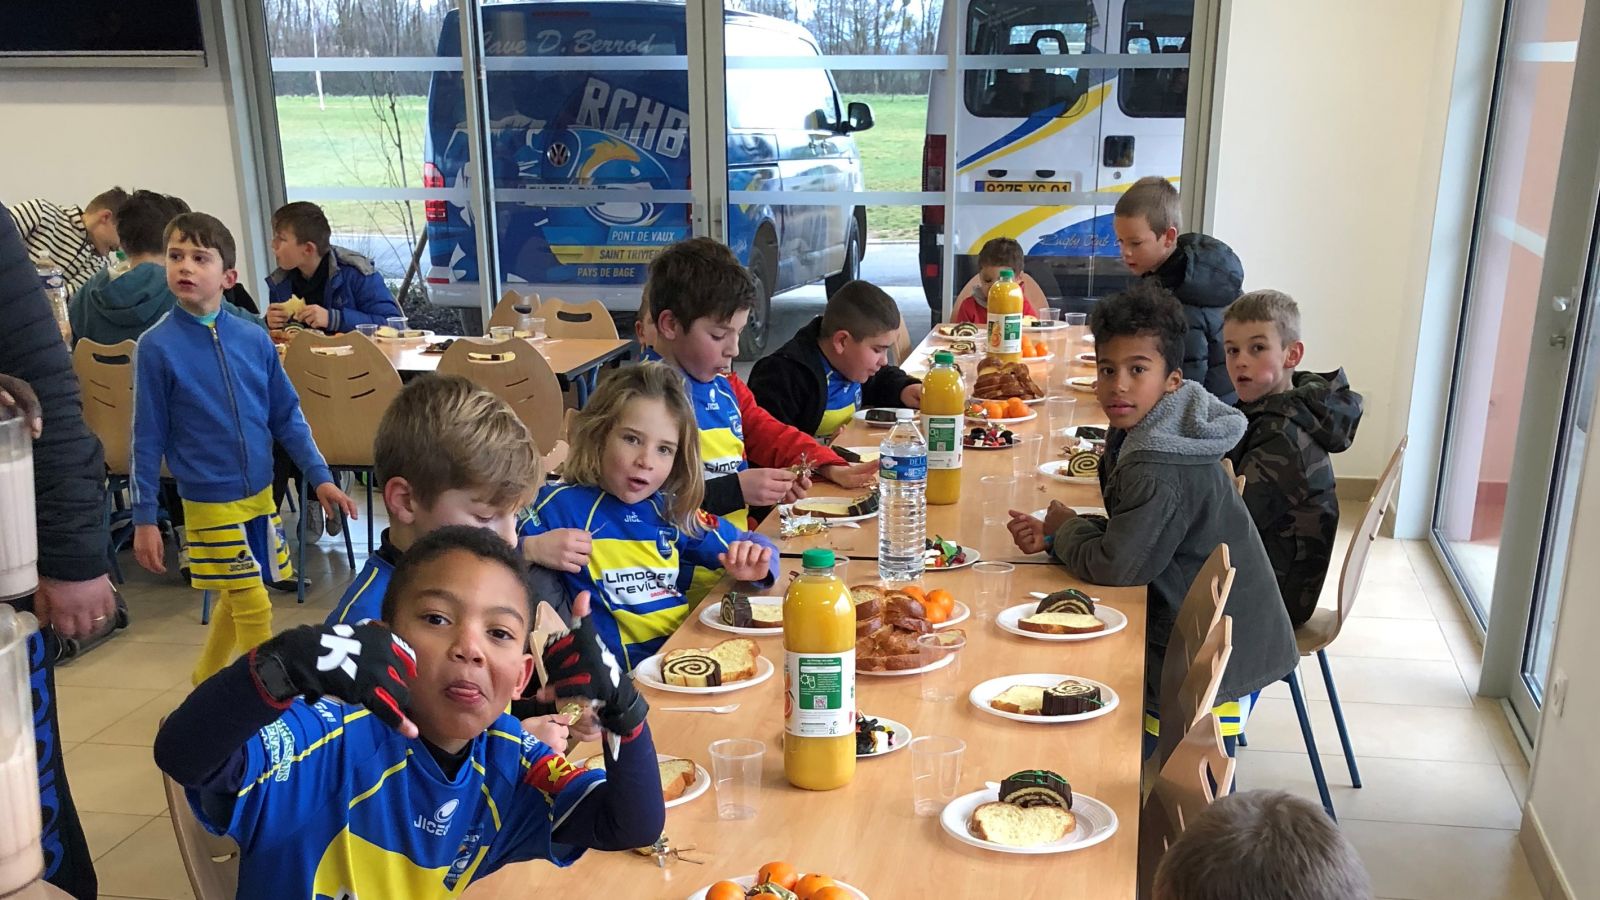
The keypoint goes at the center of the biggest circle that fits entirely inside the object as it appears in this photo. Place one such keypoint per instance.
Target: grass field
(343, 145)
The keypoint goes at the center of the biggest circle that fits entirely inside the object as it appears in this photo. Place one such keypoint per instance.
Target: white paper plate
(896, 673)
(1008, 620)
(1088, 337)
(711, 617)
(861, 416)
(1081, 383)
(1088, 357)
(749, 881)
(702, 778)
(972, 556)
(1042, 329)
(867, 454)
(980, 696)
(1010, 420)
(648, 673)
(425, 336)
(958, 614)
(1053, 470)
(807, 505)
(1096, 822)
(902, 736)
(1073, 432)
(1039, 359)
(981, 447)
(1080, 510)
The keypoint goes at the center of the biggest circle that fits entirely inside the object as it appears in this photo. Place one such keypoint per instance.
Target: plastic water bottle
(55, 290)
(902, 486)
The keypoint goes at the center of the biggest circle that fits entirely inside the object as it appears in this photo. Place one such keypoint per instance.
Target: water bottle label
(1005, 333)
(902, 468)
(944, 441)
(819, 694)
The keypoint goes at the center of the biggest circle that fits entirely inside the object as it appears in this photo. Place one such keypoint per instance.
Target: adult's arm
(68, 464)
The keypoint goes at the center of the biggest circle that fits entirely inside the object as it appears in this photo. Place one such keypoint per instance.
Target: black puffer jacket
(1206, 275)
(793, 386)
(69, 469)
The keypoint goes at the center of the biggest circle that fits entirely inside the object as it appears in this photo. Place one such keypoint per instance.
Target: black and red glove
(366, 665)
(580, 665)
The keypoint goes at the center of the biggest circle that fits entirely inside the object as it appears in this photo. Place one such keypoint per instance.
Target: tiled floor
(1437, 818)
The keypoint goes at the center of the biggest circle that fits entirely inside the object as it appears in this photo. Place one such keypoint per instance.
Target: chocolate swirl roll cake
(1083, 463)
(1070, 698)
(1036, 787)
(1070, 600)
(692, 670)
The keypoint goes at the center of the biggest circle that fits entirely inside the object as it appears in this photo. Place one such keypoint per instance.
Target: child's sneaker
(183, 564)
(312, 520)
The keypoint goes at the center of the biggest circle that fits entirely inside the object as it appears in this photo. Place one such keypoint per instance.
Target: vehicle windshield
(1047, 27)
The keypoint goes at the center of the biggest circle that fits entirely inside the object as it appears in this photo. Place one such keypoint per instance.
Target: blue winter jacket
(211, 400)
(355, 294)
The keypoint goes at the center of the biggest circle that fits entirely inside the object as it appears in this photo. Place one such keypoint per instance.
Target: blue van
(629, 131)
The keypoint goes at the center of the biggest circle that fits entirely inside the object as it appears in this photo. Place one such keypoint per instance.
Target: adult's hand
(16, 397)
(76, 609)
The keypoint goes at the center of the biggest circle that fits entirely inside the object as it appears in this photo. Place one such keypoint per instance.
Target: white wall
(1331, 147)
(75, 132)
(1565, 790)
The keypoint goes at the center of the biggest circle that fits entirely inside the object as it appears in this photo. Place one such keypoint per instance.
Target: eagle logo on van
(558, 154)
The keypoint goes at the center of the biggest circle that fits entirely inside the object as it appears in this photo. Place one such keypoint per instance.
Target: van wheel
(852, 261)
(753, 340)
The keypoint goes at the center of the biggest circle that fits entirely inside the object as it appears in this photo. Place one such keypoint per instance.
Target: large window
(1058, 28)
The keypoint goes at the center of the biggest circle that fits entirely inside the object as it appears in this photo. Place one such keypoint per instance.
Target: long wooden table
(574, 360)
(866, 833)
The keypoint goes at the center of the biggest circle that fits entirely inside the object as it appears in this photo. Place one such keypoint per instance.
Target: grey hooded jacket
(1170, 505)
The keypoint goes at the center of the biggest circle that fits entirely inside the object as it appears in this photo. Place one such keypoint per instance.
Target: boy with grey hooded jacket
(1168, 501)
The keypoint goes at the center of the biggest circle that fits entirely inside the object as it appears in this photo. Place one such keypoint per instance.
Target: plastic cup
(502, 332)
(1060, 413)
(940, 685)
(1050, 314)
(367, 330)
(19, 543)
(21, 859)
(935, 772)
(994, 588)
(536, 328)
(736, 774)
(398, 323)
(997, 492)
(1025, 457)
(1075, 319)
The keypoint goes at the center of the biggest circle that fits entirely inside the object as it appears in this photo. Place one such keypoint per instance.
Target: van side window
(777, 98)
(1045, 28)
(1155, 26)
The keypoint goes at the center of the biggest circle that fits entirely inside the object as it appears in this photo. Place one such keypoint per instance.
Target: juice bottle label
(819, 694)
(902, 468)
(944, 441)
(1005, 333)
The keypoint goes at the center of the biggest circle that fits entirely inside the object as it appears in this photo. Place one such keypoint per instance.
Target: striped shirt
(57, 233)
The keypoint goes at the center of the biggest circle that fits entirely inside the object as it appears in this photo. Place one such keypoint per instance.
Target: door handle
(1561, 304)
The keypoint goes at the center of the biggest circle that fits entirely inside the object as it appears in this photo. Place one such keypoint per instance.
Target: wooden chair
(105, 377)
(345, 384)
(577, 320)
(1198, 772)
(519, 375)
(1325, 624)
(1238, 480)
(506, 312)
(212, 861)
(902, 344)
(1197, 619)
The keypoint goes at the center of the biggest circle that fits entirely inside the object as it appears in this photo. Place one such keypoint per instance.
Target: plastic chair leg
(1338, 719)
(1242, 741)
(349, 547)
(205, 607)
(300, 548)
(1311, 742)
(371, 476)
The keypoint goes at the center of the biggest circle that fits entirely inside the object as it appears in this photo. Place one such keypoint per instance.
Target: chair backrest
(211, 861)
(1197, 692)
(105, 375)
(1192, 778)
(577, 320)
(505, 312)
(1238, 480)
(902, 344)
(1355, 559)
(1197, 617)
(516, 373)
(345, 384)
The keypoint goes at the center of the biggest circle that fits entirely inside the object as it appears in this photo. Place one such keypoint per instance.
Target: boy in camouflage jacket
(1296, 420)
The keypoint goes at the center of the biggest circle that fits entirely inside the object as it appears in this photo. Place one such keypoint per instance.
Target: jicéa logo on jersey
(439, 823)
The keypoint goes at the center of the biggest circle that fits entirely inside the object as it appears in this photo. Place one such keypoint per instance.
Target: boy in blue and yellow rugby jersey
(209, 392)
(632, 486)
(422, 784)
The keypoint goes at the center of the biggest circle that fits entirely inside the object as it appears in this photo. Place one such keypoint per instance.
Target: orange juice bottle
(1005, 317)
(819, 677)
(944, 404)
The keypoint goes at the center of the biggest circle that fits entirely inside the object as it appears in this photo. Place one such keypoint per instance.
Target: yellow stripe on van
(1016, 225)
(1091, 101)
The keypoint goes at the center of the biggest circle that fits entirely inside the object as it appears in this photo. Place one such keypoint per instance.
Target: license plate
(1025, 187)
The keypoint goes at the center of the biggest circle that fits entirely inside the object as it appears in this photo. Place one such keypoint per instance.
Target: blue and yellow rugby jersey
(363, 599)
(634, 561)
(844, 396)
(338, 806)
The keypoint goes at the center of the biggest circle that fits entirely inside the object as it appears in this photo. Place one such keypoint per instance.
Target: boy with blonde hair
(1262, 845)
(1201, 271)
(1296, 420)
(209, 398)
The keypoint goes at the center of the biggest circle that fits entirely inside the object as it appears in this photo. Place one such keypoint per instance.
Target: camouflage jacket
(1289, 483)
